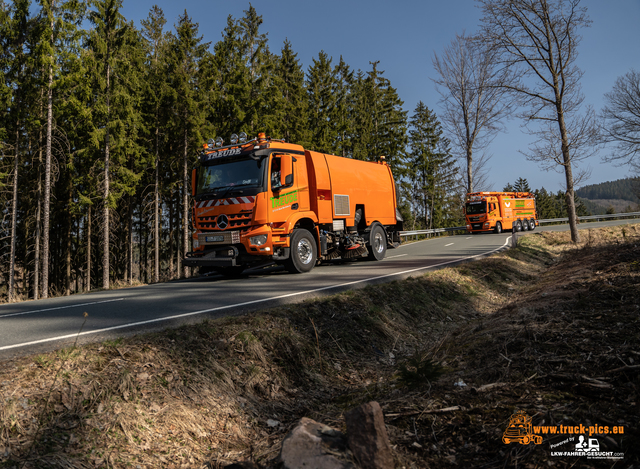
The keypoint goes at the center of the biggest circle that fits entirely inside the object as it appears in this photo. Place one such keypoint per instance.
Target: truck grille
(238, 220)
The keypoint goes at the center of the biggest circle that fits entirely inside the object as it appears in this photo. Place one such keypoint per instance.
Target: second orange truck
(500, 211)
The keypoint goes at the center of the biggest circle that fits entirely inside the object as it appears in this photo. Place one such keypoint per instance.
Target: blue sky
(403, 35)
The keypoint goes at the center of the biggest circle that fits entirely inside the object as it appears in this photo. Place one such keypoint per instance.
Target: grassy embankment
(548, 328)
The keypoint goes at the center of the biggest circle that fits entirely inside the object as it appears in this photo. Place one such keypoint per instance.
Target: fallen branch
(623, 368)
(428, 411)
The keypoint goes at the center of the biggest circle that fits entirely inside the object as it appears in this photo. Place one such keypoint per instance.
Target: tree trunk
(105, 233)
(171, 266)
(469, 169)
(69, 222)
(156, 217)
(88, 280)
(14, 218)
(47, 185)
(129, 269)
(185, 204)
(568, 172)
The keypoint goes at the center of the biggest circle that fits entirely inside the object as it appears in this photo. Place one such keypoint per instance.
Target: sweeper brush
(356, 250)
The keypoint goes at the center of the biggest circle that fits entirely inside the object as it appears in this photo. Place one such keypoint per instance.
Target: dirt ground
(549, 329)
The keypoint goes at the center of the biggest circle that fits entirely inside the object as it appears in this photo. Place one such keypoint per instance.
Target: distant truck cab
(263, 201)
(500, 211)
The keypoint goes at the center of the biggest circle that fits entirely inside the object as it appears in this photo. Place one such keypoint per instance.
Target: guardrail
(549, 220)
(433, 231)
(594, 217)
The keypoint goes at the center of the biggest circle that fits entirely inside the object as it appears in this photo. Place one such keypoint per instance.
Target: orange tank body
(269, 201)
(500, 211)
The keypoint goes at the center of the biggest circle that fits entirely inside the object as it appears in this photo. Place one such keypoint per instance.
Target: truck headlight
(196, 244)
(258, 240)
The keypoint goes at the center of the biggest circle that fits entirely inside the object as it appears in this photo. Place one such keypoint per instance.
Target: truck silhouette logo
(584, 447)
(520, 430)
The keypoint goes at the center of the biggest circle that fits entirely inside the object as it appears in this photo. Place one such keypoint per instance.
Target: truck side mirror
(193, 182)
(286, 170)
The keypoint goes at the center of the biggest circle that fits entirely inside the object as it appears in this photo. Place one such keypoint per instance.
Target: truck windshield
(227, 175)
(476, 207)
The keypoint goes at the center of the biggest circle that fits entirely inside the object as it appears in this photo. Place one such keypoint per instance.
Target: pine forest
(102, 123)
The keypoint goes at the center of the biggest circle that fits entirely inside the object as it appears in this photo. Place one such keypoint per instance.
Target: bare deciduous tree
(472, 89)
(538, 41)
(621, 116)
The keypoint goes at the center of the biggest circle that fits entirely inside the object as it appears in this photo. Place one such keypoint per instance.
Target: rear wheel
(498, 228)
(532, 224)
(525, 225)
(303, 252)
(516, 227)
(377, 243)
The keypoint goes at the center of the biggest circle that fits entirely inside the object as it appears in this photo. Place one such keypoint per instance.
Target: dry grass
(536, 320)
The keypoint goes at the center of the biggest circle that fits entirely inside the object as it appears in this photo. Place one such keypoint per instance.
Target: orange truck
(499, 211)
(263, 201)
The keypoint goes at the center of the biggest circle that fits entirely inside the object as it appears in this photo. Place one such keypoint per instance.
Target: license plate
(214, 239)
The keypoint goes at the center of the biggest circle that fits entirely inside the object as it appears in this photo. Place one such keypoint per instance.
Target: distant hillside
(626, 189)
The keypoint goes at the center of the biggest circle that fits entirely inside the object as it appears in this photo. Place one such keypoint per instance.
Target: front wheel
(498, 228)
(303, 252)
(377, 243)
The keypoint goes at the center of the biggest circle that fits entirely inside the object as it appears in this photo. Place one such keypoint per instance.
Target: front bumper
(223, 256)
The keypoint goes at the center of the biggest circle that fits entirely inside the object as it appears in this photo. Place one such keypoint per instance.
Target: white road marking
(399, 255)
(246, 303)
(60, 307)
(448, 245)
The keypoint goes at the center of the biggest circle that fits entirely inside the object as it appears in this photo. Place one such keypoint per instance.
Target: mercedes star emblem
(223, 221)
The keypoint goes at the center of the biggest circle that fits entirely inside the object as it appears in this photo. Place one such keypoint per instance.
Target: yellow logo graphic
(520, 430)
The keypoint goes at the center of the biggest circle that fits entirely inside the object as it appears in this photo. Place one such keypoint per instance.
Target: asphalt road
(44, 325)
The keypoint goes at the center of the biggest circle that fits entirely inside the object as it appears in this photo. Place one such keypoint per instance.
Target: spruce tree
(187, 53)
(156, 96)
(113, 64)
(231, 88)
(430, 170)
(380, 123)
(321, 83)
(57, 45)
(344, 109)
(293, 126)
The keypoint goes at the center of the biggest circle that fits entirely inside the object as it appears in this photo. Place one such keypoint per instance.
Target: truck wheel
(498, 228)
(532, 224)
(525, 225)
(303, 252)
(377, 243)
(516, 227)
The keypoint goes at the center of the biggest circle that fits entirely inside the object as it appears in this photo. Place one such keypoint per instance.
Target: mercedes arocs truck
(263, 201)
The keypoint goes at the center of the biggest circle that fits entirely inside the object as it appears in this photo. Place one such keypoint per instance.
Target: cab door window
(275, 173)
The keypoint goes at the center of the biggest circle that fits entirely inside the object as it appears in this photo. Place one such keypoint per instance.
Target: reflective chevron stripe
(230, 201)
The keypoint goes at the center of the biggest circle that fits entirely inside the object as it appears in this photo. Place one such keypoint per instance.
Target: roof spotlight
(219, 142)
(233, 139)
(211, 142)
(243, 137)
